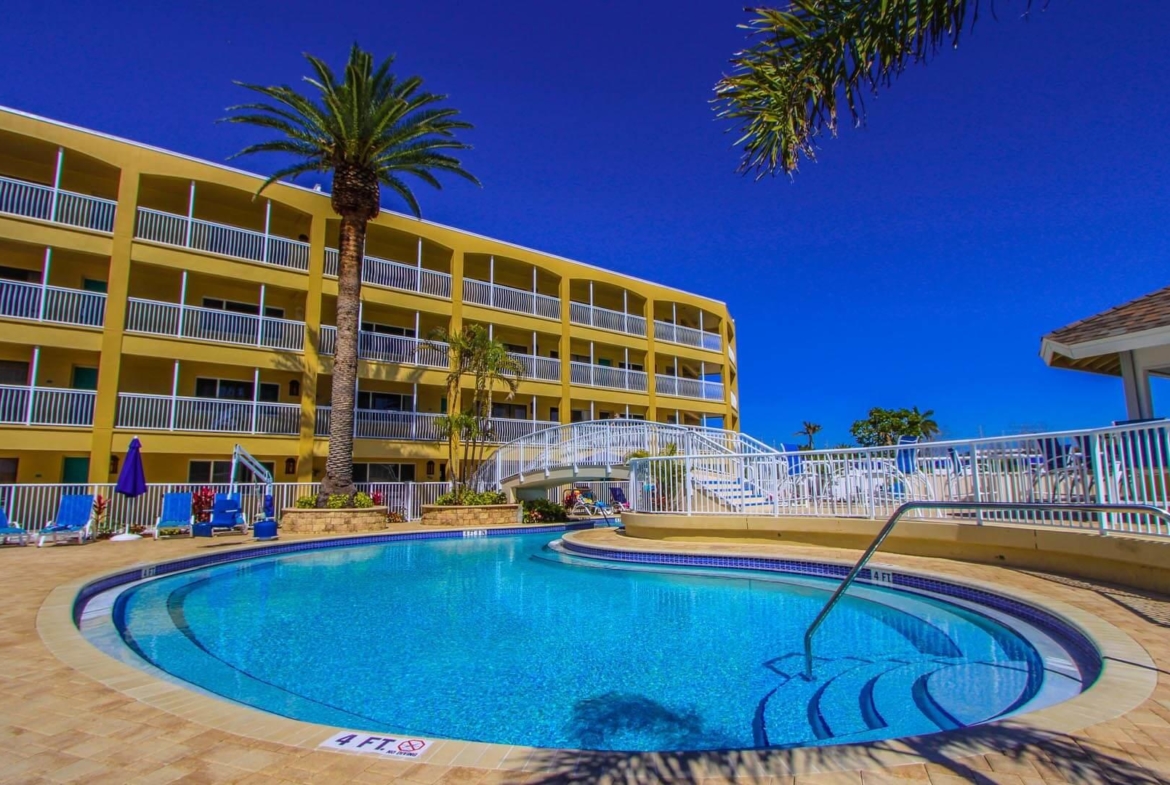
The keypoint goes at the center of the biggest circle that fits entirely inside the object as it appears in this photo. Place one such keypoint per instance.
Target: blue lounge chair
(619, 497)
(176, 513)
(227, 513)
(74, 520)
(11, 531)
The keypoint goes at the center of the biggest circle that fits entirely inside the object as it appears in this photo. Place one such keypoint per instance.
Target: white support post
(255, 396)
(190, 212)
(418, 259)
(174, 395)
(592, 411)
(700, 320)
(535, 348)
(182, 302)
(491, 280)
(57, 183)
(534, 279)
(45, 283)
(592, 361)
(702, 379)
(267, 230)
(626, 374)
(625, 310)
(416, 325)
(414, 408)
(32, 383)
(591, 319)
(674, 313)
(534, 411)
(260, 321)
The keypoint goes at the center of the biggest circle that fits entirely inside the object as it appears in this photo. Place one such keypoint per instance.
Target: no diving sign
(388, 746)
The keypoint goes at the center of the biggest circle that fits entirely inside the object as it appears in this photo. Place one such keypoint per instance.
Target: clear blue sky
(1010, 187)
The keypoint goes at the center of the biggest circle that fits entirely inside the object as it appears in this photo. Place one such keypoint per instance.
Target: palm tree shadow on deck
(1056, 756)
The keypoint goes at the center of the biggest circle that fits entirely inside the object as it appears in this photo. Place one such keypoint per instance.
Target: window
(577, 415)
(231, 306)
(554, 354)
(580, 358)
(630, 366)
(20, 274)
(605, 415)
(94, 285)
(385, 402)
(554, 413)
(8, 467)
(387, 329)
(383, 472)
(235, 390)
(13, 372)
(510, 411)
(604, 362)
(516, 349)
(220, 472)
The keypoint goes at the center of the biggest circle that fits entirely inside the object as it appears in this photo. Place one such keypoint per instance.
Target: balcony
(35, 303)
(207, 324)
(688, 388)
(221, 239)
(422, 427)
(589, 375)
(505, 298)
(606, 319)
(30, 200)
(395, 275)
(543, 369)
(42, 406)
(390, 348)
(687, 336)
(208, 415)
(734, 401)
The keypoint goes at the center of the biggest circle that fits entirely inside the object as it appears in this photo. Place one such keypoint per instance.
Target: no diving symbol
(411, 745)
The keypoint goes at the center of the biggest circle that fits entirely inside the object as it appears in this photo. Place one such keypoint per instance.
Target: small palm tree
(817, 54)
(809, 430)
(368, 129)
(491, 366)
(460, 348)
(921, 424)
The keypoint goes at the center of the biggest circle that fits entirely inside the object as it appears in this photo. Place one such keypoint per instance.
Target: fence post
(1095, 457)
(687, 482)
(410, 514)
(976, 491)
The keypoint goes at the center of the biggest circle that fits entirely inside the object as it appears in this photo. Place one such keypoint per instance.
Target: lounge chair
(74, 520)
(11, 531)
(583, 502)
(176, 513)
(619, 498)
(227, 513)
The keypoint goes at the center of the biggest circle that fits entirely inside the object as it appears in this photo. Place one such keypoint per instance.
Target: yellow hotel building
(144, 292)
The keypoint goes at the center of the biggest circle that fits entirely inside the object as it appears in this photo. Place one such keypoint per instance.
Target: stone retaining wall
(294, 520)
(471, 515)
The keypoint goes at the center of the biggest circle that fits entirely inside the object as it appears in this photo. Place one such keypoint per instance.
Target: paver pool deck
(68, 713)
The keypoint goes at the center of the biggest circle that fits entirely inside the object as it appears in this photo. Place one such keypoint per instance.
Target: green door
(92, 285)
(75, 471)
(84, 378)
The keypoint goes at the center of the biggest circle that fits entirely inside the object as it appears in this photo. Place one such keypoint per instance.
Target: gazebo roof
(1093, 343)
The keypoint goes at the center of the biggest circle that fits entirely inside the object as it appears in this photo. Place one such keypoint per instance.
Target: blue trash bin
(201, 529)
(264, 530)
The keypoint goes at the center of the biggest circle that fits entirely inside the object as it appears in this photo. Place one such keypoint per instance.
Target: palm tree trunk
(339, 466)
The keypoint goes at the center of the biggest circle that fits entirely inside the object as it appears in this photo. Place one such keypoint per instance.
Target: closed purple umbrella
(131, 482)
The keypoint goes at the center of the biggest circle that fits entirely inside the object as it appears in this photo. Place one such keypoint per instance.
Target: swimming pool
(508, 640)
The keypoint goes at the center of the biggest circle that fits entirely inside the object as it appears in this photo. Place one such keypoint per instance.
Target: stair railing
(1140, 509)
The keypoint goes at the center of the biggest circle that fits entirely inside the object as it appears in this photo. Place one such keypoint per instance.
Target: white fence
(421, 426)
(591, 375)
(606, 319)
(18, 197)
(45, 406)
(208, 324)
(390, 348)
(508, 299)
(687, 336)
(52, 304)
(32, 506)
(688, 388)
(540, 368)
(395, 275)
(1121, 464)
(211, 415)
(221, 239)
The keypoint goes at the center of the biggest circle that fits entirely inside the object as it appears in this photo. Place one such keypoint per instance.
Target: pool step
(841, 707)
(783, 717)
(976, 692)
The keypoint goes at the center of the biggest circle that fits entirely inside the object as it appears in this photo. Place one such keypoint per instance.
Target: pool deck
(97, 721)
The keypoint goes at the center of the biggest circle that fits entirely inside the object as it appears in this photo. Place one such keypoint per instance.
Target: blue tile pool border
(123, 577)
(1073, 638)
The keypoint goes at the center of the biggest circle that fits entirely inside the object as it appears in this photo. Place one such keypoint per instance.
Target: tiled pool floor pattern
(58, 725)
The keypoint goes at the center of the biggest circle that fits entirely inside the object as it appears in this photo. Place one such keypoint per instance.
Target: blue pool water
(504, 640)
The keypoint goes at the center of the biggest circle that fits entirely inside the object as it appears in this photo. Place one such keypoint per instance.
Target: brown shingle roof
(1147, 312)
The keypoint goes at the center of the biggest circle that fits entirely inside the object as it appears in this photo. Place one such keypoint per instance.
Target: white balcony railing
(545, 369)
(605, 319)
(51, 304)
(688, 388)
(221, 239)
(390, 348)
(687, 336)
(421, 426)
(210, 415)
(590, 375)
(395, 275)
(18, 197)
(208, 324)
(44, 406)
(505, 298)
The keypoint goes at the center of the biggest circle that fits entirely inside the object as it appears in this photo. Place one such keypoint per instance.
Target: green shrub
(543, 511)
(464, 497)
(362, 500)
(306, 502)
(337, 501)
(171, 532)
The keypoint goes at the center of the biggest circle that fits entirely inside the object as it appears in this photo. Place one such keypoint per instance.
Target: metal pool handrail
(1142, 509)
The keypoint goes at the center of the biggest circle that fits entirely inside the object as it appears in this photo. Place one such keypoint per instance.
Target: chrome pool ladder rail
(1141, 509)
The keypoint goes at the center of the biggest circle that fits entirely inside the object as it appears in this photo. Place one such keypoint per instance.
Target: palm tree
(491, 366)
(368, 130)
(809, 430)
(921, 424)
(460, 347)
(816, 54)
